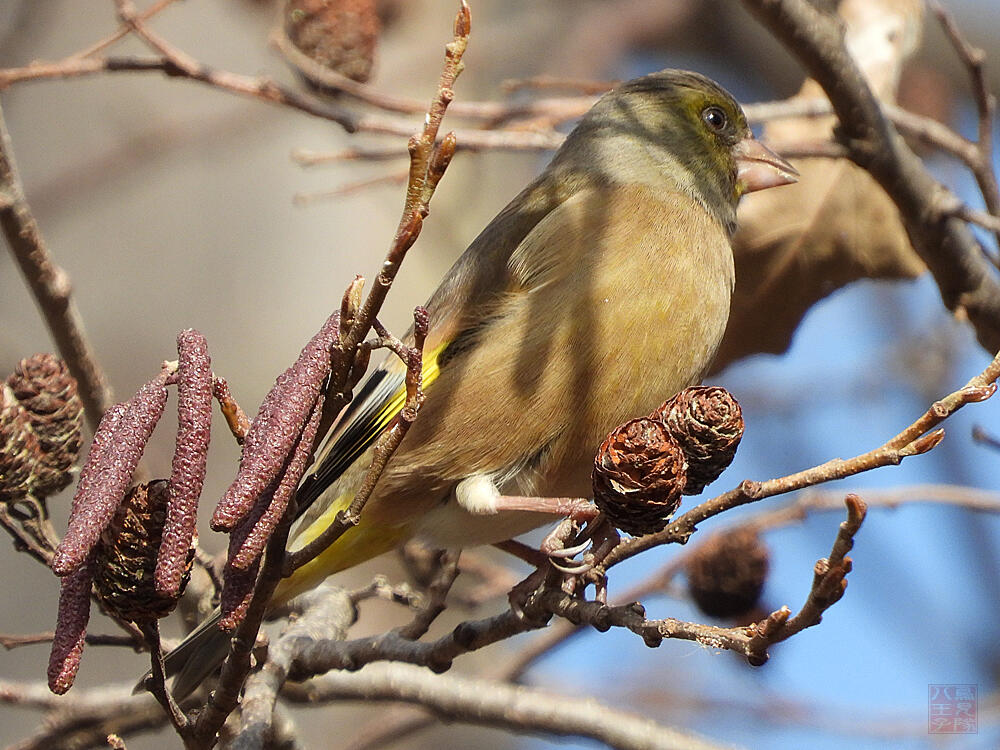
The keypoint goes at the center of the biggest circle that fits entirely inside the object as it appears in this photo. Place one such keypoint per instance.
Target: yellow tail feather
(355, 546)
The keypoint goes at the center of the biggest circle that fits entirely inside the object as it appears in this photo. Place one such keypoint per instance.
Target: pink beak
(758, 167)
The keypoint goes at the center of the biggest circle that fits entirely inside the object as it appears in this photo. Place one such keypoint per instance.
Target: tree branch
(965, 278)
(328, 613)
(50, 285)
(915, 439)
(515, 708)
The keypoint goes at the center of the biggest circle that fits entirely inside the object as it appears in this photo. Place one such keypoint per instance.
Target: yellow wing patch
(364, 541)
(373, 427)
(355, 546)
(429, 372)
(381, 398)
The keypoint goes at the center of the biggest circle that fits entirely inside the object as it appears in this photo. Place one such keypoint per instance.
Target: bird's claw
(579, 569)
(593, 547)
(566, 553)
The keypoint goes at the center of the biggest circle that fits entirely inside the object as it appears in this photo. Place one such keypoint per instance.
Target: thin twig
(974, 60)
(122, 32)
(93, 639)
(493, 112)
(517, 709)
(434, 603)
(427, 163)
(28, 535)
(982, 436)
(157, 682)
(980, 218)
(535, 83)
(235, 668)
(830, 578)
(915, 439)
(50, 285)
(392, 178)
(380, 588)
(559, 633)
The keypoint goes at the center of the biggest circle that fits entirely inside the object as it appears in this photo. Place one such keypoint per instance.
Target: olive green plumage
(601, 290)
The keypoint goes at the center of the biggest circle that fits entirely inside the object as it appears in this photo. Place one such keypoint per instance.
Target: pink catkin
(96, 500)
(70, 552)
(253, 547)
(236, 596)
(274, 431)
(103, 438)
(237, 585)
(187, 477)
(71, 627)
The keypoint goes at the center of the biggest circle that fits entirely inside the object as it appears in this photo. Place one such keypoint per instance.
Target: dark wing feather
(360, 424)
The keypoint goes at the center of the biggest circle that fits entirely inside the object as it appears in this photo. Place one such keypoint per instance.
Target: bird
(602, 289)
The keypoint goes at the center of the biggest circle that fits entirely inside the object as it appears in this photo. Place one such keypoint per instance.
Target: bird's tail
(201, 653)
(198, 655)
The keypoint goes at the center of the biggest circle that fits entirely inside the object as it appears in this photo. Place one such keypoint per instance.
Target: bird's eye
(715, 118)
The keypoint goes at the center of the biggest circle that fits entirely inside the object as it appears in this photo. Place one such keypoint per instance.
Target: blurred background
(171, 205)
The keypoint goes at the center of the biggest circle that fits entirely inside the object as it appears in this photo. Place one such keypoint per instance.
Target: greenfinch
(600, 291)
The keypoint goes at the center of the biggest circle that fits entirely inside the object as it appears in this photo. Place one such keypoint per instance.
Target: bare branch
(93, 639)
(516, 708)
(83, 719)
(966, 279)
(176, 64)
(974, 60)
(157, 684)
(328, 613)
(50, 285)
(917, 438)
(427, 164)
(123, 30)
(830, 578)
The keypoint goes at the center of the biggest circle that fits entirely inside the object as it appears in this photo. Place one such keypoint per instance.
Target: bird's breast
(650, 306)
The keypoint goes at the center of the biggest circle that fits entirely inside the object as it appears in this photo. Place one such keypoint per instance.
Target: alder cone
(338, 34)
(639, 474)
(726, 574)
(48, 394)
(126, 556)
(708, 423)
(19, 450)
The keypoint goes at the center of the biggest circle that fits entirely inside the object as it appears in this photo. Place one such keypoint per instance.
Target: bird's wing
(493, 265)
(378, 401)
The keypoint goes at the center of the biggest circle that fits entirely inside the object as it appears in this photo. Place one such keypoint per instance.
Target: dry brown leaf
(799, 243)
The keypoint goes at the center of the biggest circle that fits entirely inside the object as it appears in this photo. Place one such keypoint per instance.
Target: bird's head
(683, 130)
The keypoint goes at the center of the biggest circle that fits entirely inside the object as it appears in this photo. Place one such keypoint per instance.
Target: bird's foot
(576, 508)
(593, 542)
